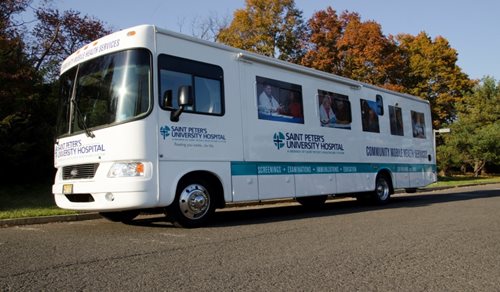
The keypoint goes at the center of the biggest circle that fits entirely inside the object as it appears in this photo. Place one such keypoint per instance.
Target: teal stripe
(277, 168)
(243, 168)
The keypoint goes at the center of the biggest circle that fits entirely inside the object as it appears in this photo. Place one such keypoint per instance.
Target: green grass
(33, 200)
(456, 181)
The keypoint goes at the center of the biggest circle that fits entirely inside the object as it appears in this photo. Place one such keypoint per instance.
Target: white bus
(152, 119)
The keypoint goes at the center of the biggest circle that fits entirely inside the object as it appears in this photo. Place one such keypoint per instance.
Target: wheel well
(387, 174)
(212, 180)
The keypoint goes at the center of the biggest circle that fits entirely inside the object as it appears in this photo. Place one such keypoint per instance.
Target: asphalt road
(442, 241)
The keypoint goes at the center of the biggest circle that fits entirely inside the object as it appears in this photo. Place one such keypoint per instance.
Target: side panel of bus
(300, 157)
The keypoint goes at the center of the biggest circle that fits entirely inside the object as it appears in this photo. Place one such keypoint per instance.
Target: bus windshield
(106, 90)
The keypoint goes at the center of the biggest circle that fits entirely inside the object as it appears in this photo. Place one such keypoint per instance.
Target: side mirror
(184, 99)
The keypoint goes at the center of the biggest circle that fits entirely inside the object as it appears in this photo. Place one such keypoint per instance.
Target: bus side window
(334, 110)
(418, 124)
(396, 121)
(369, 116)
(279, 101)
(206, 80)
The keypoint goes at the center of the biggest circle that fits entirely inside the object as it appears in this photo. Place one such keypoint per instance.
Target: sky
(471, 27)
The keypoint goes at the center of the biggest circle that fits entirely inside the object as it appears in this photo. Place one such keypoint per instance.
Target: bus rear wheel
(382, 192)
(193, 205)
(380, 195)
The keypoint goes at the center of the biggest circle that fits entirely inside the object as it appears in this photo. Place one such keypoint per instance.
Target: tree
(17, 91)
(433, 74)
(8, 9)
(270, 27)
(16, 74)
(346, 46)
(476, 132)
(325, 31)
(366, 54)
(208, 28)
(29, 64)
(58, 34)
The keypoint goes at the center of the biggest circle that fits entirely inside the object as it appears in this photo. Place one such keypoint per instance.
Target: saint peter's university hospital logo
(279, 140)
(165, 132)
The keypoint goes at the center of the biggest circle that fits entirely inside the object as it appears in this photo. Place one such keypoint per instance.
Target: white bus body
(122, 147)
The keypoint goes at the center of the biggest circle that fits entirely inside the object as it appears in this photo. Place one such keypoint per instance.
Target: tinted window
(396, 120)
(369, 116)
(279, 101)
(205, 79)
(418, 124)
(334, 110)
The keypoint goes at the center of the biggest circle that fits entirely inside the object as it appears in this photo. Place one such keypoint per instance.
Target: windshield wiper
(81, 120)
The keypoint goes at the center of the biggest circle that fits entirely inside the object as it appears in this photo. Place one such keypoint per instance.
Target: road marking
(173, 235)
(30, 229)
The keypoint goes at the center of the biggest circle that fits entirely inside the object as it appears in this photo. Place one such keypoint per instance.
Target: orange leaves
(270, 27)
(433, 74)
(348, 46)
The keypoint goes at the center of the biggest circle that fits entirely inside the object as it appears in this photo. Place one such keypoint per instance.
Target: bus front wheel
(193, 205)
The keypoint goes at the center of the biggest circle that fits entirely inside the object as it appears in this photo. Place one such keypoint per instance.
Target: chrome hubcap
(194, 201)
(382, 190)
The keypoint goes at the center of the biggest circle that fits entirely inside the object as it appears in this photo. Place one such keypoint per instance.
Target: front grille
(81, 171)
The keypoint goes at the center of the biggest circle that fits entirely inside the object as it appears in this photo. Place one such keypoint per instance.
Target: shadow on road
(294, 211)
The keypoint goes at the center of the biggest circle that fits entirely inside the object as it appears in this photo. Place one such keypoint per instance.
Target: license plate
(67, 189)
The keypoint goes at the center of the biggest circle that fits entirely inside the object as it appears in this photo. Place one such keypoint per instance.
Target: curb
(93, 216)
(48, 219)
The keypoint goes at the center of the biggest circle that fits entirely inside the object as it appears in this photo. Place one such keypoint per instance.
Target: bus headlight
(126, 169)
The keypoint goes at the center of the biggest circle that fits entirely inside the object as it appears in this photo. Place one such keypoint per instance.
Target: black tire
(312, 202)
(121, 216)
(193, 206)
(382, 192)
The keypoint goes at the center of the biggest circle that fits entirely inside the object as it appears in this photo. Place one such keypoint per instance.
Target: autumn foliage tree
(347, 46)
(325, 31)
(269, 27)
(433, 74)
(366, 54)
